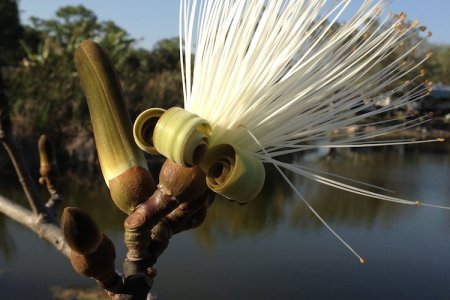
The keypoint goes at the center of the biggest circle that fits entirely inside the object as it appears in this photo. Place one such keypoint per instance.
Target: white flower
(264, 78)
(291, 75)
(284, 71)
(276, 77)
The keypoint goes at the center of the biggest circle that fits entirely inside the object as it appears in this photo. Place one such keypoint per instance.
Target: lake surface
(274, 248)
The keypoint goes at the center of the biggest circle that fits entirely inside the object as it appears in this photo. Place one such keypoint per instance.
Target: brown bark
(47, 231)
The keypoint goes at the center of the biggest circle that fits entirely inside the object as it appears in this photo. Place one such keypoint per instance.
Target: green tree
(153, 78)
(166, 55)
(45, 89)
(438, 67)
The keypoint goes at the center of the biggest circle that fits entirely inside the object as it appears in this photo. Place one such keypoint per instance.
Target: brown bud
(99, 265)
(80, 231)
(97, 262)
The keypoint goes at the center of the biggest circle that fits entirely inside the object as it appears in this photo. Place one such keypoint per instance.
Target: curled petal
(234, 173)
(144, 127)
(182, 136)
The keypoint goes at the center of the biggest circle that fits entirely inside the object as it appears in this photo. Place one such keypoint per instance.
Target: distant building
(386, 101)
(438, 101)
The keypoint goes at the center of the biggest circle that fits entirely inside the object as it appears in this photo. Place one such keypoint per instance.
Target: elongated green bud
(110, 121)
(179, 135)
(233, 172)
(49, 171)
(118, 154)
(47, 158)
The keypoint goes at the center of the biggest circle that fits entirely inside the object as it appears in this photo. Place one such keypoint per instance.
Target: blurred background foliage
(37, 64)
(41, 81)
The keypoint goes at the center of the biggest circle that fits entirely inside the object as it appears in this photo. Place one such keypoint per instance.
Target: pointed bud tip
(87, 46)
(80, 231)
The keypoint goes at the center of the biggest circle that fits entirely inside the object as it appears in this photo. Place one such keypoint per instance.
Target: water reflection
(93, 197)
(227, 220)
(277, 217)
(277, 204)
(7, 244)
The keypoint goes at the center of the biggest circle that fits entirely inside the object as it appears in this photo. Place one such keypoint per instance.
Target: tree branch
(16, 156)
(47, 231)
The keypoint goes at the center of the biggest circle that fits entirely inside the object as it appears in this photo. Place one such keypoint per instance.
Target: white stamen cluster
(277, 77)
(289, 72)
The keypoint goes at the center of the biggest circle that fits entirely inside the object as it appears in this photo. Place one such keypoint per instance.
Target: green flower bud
(111, 124)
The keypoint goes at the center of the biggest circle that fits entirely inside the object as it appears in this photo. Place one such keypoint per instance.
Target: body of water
(274, 248)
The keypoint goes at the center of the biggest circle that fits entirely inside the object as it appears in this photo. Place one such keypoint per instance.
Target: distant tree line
(37, 64)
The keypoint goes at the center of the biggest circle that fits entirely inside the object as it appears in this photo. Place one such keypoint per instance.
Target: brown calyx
(139, 223)
(183, 183)
(177, 185)
(131, 188)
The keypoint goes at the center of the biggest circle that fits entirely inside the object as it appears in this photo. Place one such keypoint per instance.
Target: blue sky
(151, 20)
